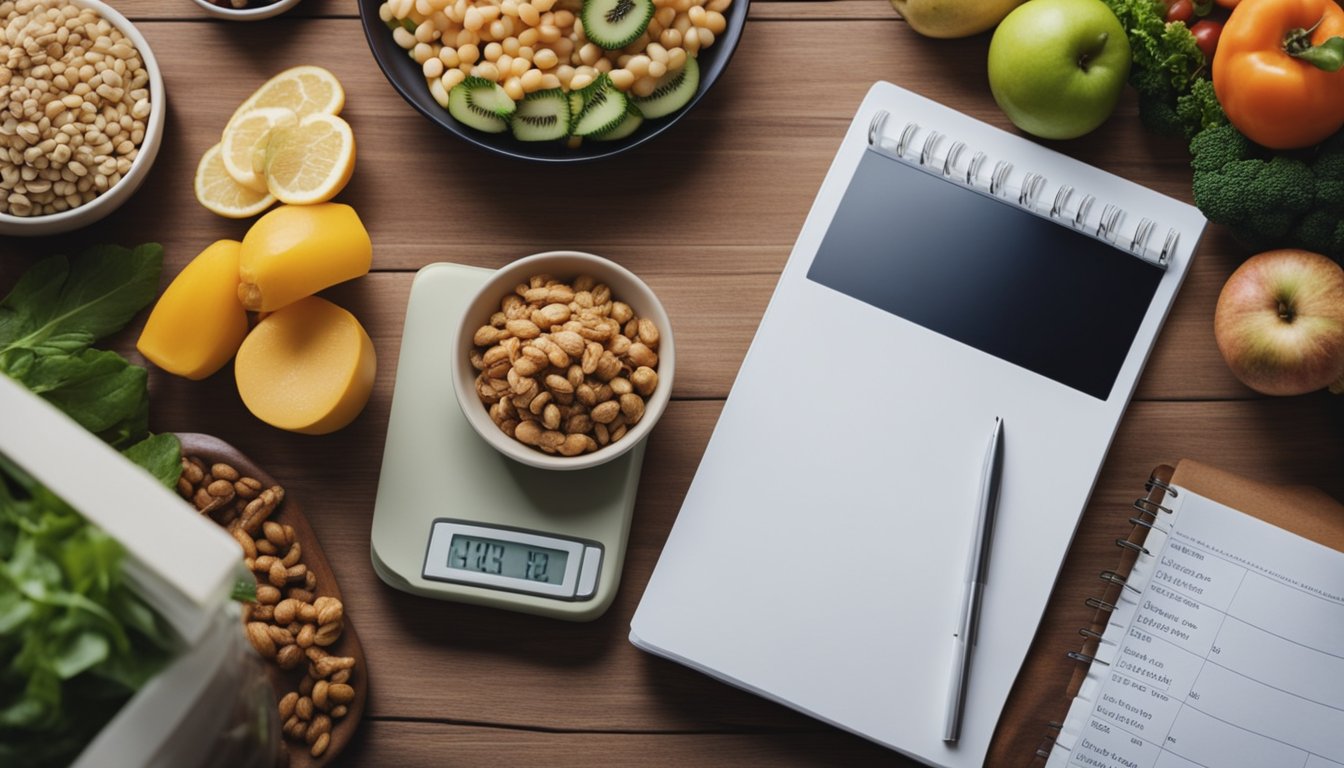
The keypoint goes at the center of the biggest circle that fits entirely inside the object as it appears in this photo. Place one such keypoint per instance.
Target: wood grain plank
(384, 743)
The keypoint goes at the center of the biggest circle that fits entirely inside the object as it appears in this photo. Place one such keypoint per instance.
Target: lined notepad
(1226, 649)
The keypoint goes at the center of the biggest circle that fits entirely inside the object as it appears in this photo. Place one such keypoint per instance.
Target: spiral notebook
(1219, 640)
(948, 273)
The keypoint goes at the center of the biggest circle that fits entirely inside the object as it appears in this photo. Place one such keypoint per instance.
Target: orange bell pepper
(1272, 73)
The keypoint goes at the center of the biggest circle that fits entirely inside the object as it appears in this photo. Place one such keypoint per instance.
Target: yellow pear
(953, 18)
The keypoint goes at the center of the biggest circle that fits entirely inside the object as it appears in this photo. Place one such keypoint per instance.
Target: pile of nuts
(564, 367)
(289, 624)
(74, 100)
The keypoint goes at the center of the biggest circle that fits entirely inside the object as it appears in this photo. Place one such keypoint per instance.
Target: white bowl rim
(247, 14)
(140, 166)
(475, 414)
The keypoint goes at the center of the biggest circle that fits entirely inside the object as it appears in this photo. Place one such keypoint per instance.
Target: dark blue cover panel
(1026, 289)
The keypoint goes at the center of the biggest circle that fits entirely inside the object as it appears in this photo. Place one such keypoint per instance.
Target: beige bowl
(563, 265)
(120, 192)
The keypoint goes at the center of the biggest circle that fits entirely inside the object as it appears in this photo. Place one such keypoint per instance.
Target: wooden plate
(210, 450)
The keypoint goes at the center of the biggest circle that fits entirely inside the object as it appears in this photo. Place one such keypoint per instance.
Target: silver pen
(976, 566)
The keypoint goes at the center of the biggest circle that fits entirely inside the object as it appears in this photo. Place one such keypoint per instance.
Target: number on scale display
(508, 559)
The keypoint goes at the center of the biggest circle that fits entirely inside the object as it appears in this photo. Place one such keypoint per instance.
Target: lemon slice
(220, 194)
(311, 162)
(306, 90)
(246, 136)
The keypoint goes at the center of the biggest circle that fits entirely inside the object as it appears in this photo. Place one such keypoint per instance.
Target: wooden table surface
(707, 215)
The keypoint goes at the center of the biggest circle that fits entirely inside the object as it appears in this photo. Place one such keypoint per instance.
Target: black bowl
(406, 76)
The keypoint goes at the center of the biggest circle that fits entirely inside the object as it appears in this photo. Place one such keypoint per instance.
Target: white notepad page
(1231, 655)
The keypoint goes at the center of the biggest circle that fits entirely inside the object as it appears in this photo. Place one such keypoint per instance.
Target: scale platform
(456, 520)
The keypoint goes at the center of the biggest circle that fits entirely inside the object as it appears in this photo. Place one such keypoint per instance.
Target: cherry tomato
(1206, 36)
(1181, 10)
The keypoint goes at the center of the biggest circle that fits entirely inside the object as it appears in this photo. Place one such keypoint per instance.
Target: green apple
(1057, 67)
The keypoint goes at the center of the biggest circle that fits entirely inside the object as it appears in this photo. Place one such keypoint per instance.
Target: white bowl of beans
(92, 117)
(563, 360)
(245, 10)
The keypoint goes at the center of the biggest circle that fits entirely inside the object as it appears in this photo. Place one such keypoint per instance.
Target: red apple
(1280, 322)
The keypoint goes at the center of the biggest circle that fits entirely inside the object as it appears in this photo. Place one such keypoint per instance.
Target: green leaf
(244, 591)
(80, 653)
(161, 455)
(97, 388)
(95, 294)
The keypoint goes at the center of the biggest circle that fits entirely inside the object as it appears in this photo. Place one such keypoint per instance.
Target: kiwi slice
(615, 24)
(481, 104)
(633, 119)
(542, 116)
(604, 108)
(672, 92)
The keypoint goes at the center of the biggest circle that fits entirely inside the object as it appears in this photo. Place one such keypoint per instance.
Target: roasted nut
(267, 594)
(328, 634)
(320, 726)
(307, 634)
(259, 635)
(329, 610)
(290, 656)
(286, 611)
(223, 471)
(280, 636)
(304, 707)
(340, 693)
(287, 703)
(320, 745)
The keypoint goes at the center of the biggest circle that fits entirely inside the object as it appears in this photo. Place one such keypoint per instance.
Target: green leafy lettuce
(75, 641)
(1167, 62)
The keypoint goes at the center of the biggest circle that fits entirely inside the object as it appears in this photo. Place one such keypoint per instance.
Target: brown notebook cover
(1303, 510)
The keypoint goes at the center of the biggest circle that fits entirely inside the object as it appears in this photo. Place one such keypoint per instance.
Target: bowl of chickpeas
(91, 125)
(553, 80)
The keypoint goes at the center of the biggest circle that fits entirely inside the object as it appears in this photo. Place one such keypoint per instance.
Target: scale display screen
(507, 558)
(496, 557)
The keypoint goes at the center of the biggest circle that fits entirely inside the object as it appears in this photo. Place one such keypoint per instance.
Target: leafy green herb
(1166, 62)
(53, 315)
(244, 591)
(75, 641)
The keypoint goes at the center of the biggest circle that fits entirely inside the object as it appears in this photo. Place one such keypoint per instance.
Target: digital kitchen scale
(455, 519)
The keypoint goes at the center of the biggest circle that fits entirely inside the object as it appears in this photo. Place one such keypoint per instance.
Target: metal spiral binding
(950, 162)
(1166, 488)
(1150, 511)
(1000, 176)
(1033, 185)
(929, 144)
(1149, 507)
(973, 170)
(1050, 740)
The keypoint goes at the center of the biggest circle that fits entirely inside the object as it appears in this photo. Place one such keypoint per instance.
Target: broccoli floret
(1269, 200)
(1157, 99)
(1215, 148)
(1199, 109)
(1319, 231)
